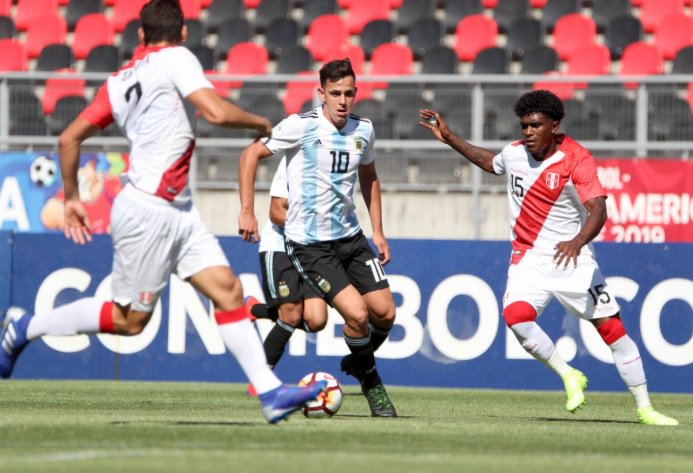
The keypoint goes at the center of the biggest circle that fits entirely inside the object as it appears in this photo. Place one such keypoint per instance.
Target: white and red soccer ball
(328, 403)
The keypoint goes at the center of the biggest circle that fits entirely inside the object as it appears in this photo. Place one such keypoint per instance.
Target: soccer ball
(43, 171)
(328, 403)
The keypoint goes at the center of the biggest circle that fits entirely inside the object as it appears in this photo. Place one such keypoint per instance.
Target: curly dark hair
(162, 20)
(540, 101)
(335, 70)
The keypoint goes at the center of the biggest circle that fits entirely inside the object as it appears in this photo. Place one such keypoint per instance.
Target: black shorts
(330, 266)
(281, 282)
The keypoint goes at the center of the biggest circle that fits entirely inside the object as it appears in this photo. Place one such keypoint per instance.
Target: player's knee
(611, 330)
(229, 296)
(383, 312)
(519, 312)
(130, 326)
(315, 325)
(291, 313)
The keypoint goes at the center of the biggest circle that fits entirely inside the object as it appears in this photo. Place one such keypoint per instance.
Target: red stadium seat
(564, 90)
(593, 59)
(673, 33)
(5, 7)
(572, 32)
(641, 59)
(191, 9)
(90, 31)
(45, 30)
(474, 33)
(489, 3)
(538, 3)
(653, 11)
(390, 59)
(362, 11)
(124, 11)
(352, 51)
(326, 33)
(299, 92)
(57, 87)
(28, 10)
(251, 3)
(13, 56)
(246, 59)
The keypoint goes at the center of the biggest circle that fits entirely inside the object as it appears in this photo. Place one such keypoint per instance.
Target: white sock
(558, 364)
(629, 365)
(244, 343)
(535, 341)
(80, 316)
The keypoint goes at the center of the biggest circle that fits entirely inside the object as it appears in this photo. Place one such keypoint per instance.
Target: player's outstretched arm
(567, 251)
(220, 112)
(370, 189)
(77, 226)
(247, 222)
(438, 126)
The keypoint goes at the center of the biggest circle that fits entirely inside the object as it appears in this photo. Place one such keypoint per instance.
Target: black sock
(364, 359)
(263, 311)
(378, 335)
(276, 341)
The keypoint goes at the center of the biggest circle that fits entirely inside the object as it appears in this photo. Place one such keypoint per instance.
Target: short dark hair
(161, 20)
(335, 70)
(540, 101)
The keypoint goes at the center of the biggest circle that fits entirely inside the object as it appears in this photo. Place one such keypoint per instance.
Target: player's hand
(567, 251)
(77, 226)
(383, 248)
(247, 227)
(434, 122)
(265, 128)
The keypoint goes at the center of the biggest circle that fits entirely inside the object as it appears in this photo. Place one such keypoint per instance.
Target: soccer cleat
(347, 366)
(281, 402)
(379, 402)
(648, 416)
(13, 339)
(250, 390)
(575, 384)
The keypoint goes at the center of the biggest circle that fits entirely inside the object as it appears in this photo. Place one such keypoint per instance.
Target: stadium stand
(29, 10)
(13, 56)
(282, 34)
(456, 10)
(66, 109)
(507, 11)
(641, 59)
(129, 39)
(375, 33)
(103, 58)
(231, 32)
(683, 61)
(572, 32)
(313, 9)
(603, 11)
(391, 59)
(524, 34)
(474, 33)
(205, 55)
(92, 29)
(653, 11)
(268, 10)
(556, 9)
(76, 9)
(673, 33)
(424, 34)
(196, 33)
(361, 12)
(44, 30)
(412, 11)
(294, 59)
(125, 11)
(539, 60)
(620, 32)
(439, 60)
(221, 11)
(495, 60)
(58, 87)
(5, 7)
(54, 57)
(7, 29)
(325, 34)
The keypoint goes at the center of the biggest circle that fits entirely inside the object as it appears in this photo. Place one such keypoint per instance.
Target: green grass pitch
(87, 426)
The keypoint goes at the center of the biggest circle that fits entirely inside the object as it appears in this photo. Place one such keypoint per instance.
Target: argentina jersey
(322, 168)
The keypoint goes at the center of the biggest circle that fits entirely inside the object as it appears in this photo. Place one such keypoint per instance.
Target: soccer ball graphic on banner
(43, 171)
(329, 402)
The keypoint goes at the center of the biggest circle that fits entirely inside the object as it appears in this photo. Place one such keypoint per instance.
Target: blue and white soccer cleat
(281, 402)
(13, 339)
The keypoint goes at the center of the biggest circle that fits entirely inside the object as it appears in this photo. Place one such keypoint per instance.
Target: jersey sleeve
(584, 177)
(369, 153)
(498, 164)
(186, 72)
(279, 187)
(286, 134)
(99, 112)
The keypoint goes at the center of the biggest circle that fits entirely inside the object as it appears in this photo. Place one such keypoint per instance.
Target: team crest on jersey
(358, 143)
(553, 179)
(324, 284)
(283, 289)
(146, 297)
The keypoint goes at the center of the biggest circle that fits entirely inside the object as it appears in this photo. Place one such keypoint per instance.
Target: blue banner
(449, 330)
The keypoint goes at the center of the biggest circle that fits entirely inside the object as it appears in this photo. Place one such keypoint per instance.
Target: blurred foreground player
(557, 206)
(155, 227)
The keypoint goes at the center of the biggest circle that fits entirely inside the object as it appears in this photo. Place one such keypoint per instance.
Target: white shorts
(153, 238)
(581, 290)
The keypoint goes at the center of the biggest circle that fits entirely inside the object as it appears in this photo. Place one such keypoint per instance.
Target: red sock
(231, 316)
(106, 318)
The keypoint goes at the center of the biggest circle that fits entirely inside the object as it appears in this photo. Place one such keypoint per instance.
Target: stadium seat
(269, 105)
(556, 9)
(313, 9)
(191, 9)
(129, 39)
(231, 32)
(375, 33)
(539, 60)
(620, 32)
(25, 124)
(403, 107)
(391, 59)
(376, 112)
(268, 10)
(673, 33)
(196, 33)
(507, 11)
(615, 112)
(247, 58)
(124, 11)
(54, 57)
(603, 11)
(44, 30)
(205, 55)
(683, 61)
(353, 52)
(439, 60)
(413, 10)
(221, 10)
(361, 12)
(490, 3)
(572, 32)
(539, 4)
(13, 56)
(299, 92)
(76, 9)
(454, 103)
(524, 34)
(455, 10)
(7, 29)
(326, 33)
(424, 34)
(668, 114)
(57, 87)
(66, 109)
(474, 33)
(564, 90)
(251, 3)
(640, 59)
(653, 11)
(92, 30)
(29, 10)
(24, 101)
(103, 58)
(294, 59)
(590, 60)
(281, 34)
(494, 60)
(5, 8)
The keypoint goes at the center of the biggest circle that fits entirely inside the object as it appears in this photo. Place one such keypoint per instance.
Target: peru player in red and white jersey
(557, 207)
(155, 227)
